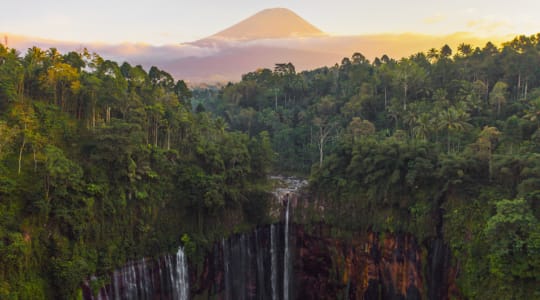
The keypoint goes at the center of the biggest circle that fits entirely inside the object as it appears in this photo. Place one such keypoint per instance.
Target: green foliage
(426, 144)
(101, 163)
(513, 234)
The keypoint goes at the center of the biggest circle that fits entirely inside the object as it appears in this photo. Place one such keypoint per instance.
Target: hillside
(271, 23)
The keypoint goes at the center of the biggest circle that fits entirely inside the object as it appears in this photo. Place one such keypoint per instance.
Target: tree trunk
(405, 87)
(385, 98)
(487, 92)
(168, 137)
(490, 165)
(47, 188)
(93, 116)
(108, 117)
(448, 142)
(155, 133)
(518, 86)
(21, 151)
(321, 151)
(275, 100)
(62, 104)
(35, 160)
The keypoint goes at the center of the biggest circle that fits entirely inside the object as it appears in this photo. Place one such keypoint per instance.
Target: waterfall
(273, 266)
(180, 282)
(287, 255)
(178, 275)
(146, 279)
(250, 265)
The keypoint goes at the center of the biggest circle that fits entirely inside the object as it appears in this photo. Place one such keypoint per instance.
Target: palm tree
(446, 51)
(532, 113)
(408, 75)
(422, 127)
(465, 49)
(453, 120)
(433, 55)
(410, 117)
(394, 112)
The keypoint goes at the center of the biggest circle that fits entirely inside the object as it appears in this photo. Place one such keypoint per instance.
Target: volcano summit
(272, 23)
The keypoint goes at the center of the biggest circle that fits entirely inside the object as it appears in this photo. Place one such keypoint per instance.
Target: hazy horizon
(259, 41)
(167, 22)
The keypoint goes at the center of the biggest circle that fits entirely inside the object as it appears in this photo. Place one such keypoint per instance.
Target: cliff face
(273, 262)
(364, 266)
(371, 266)
(164, 278)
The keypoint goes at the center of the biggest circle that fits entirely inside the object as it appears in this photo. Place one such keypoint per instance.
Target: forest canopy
(443, 144)
(103, 162)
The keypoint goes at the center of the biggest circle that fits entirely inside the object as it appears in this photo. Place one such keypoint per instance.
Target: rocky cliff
(326, 266)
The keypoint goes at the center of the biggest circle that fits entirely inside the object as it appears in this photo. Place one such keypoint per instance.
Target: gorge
(424, 178)
(289, 260)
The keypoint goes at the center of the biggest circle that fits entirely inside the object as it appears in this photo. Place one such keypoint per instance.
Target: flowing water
(273, 253)
(252, 265)
(147, 279)
(287, 255)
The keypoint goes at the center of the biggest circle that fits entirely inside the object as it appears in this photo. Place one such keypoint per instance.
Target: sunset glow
(170, 22)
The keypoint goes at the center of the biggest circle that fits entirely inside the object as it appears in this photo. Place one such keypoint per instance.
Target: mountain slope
(270, 23)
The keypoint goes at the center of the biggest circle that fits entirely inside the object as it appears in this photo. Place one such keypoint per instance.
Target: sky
(161, 22)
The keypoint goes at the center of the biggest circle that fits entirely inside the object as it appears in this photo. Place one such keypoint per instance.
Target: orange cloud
(488, 24)
(227, 61)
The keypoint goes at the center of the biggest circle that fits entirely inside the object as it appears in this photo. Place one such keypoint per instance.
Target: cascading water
(147, 279)
(180, 277)
(273, 253)
(287, 254)
(258, 265)
(252, 265)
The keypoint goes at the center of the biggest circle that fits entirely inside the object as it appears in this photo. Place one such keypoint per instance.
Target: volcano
(272, 23)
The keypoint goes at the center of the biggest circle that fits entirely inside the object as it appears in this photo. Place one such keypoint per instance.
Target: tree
(446, 52)
(498, 95)
(323, 120)
(7, 135)
(91, 85)
(35, 64)
(423, 126)
(26, 120)
(11, 77)
(408, 75)
(63, 176)
(485, 145)
(465, 50)
(359, 58)
(64, 78)
(359, 128)
(284, 69)
(182, 91)
(532, 112)
(453, 120)
(160, 78)
(113, 92)
(513, 235)
(433, 55)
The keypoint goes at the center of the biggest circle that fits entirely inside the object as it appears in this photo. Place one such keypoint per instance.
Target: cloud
(488, 24)
(227, 60)
(434, 19)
